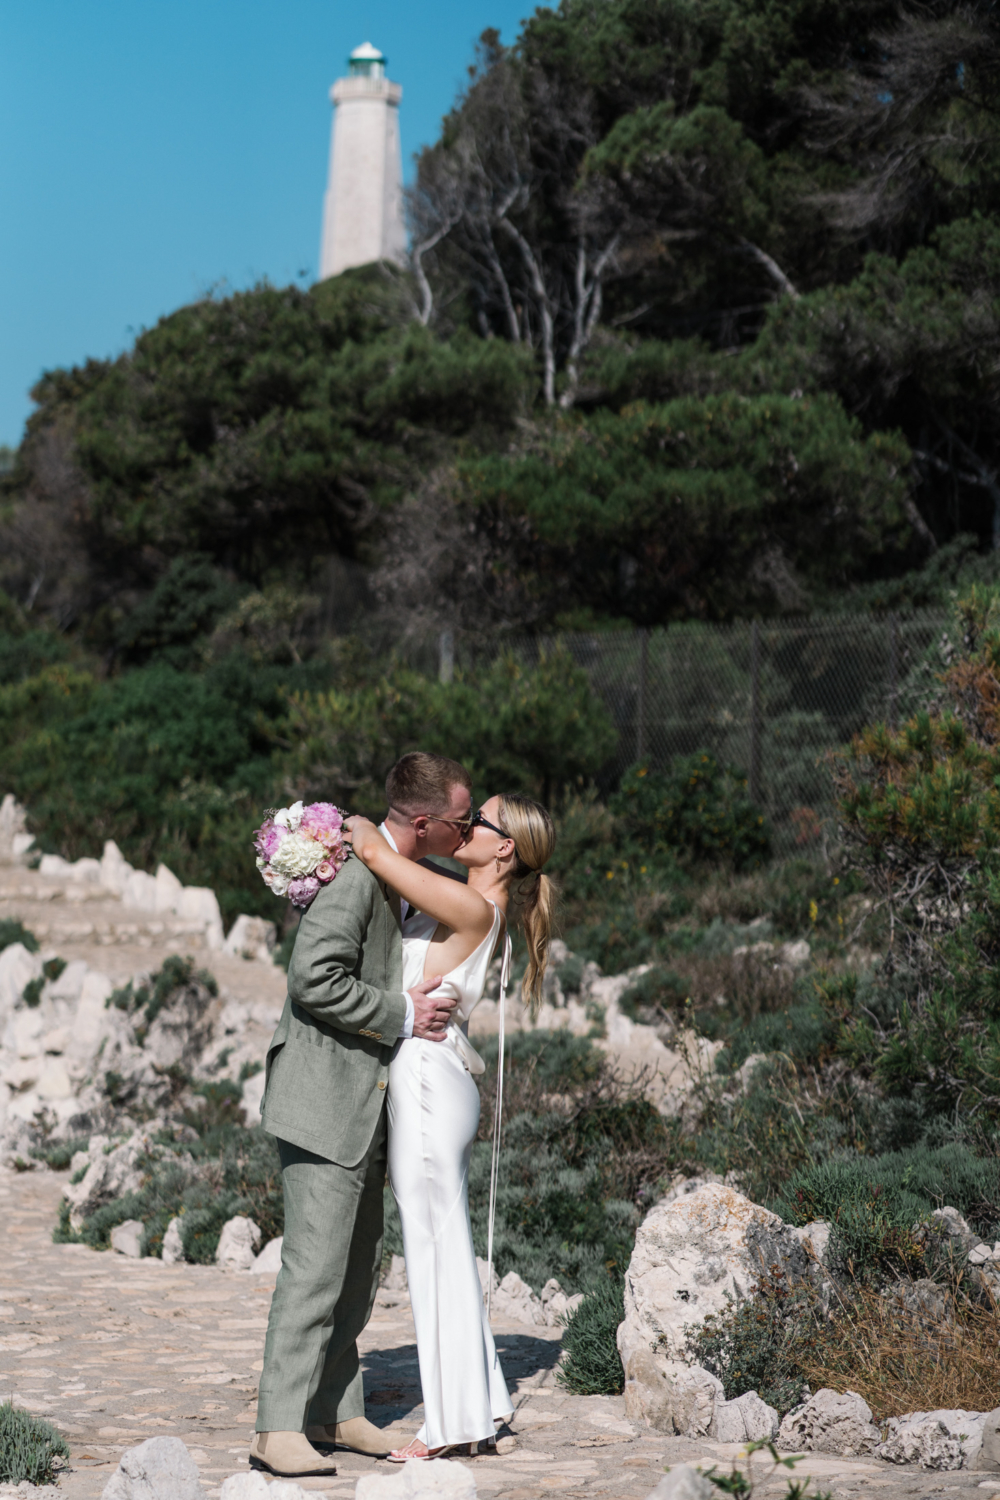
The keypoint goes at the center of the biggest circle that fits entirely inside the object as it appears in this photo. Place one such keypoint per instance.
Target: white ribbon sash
(497, 1117)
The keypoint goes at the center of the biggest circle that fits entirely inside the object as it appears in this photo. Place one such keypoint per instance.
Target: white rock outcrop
(172, 1251)
(251, 1485)
(252, 1096)
(746, 1419)
(129, 1239)
(437, 1476)
(161, 1468)
(942, 1439)
(830, 1422)
(395, 1276)
(988, 1458)
(693, 1258)
(252, 938)
(683, 1483)
(556, 1305)
(268, 1262)
(237, 1244)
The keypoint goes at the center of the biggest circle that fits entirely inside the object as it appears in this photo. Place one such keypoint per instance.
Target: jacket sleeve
(326, 960)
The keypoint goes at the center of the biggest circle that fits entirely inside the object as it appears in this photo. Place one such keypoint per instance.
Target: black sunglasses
(478, 821)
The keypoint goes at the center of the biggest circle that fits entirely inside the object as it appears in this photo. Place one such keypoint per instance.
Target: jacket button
(381, 1083)
(377, 1035)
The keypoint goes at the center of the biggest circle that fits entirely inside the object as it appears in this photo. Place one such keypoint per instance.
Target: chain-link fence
(769, 698)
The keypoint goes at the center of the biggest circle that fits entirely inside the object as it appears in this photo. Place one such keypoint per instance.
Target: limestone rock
(436, 1476)
(988, 1457)
(395, 1276)
(251, 1485)
(129, 1238)
(252, 937)
(268, 1262)
(13, 826)
(237, 1243)
(949, 1222)
(924, 1298)
(683, 1483)
(669, 1395)
(161, 1468)
(513, 1298)
(172, 1252)
(556, 1305)
(111, 1174)
(814, 1238)
(830, 1423)
(692, 1256)
(934, 1439)
(747, 1419)
(17, 968)
(252, 1097)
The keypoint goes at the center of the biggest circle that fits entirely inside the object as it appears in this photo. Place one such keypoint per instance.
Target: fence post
(446, 656)
(640, 711)
(753, 779)
(893, 667)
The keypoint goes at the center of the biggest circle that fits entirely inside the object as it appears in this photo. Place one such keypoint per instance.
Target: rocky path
(113, 1351)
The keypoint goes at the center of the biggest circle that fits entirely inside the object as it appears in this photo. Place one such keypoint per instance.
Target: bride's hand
(362, 835)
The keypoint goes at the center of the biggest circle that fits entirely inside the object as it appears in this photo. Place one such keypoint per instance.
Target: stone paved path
(113, 1351)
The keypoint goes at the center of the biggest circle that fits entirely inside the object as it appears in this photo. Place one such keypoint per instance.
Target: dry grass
(748, 984)
(901, 1361)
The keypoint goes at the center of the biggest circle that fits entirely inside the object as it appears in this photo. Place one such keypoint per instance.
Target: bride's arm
(447, 900)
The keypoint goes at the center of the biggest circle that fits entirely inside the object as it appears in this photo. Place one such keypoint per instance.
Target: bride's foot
(414, 1449)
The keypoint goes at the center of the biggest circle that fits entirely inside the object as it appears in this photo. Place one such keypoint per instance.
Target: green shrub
(13, 931)
(229, 1170)
(653, 994)
(59, 1154)
(593, 1366)
(152, 997)
(32, 993)
(875, 1204)
(29, 1448)
(698, 809)
(755, 1344)
(804, 1032)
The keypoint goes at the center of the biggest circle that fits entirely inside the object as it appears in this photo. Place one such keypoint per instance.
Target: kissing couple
(371, 1066)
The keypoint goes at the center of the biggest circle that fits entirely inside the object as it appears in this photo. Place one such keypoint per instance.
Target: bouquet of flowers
(300, 848)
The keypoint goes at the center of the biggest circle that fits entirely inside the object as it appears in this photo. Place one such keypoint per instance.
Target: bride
(434, 1104)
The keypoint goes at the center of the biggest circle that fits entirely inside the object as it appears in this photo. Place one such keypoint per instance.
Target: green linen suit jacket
(328, 1062)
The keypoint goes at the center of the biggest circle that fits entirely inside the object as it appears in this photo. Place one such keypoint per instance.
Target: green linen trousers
(324, 1100)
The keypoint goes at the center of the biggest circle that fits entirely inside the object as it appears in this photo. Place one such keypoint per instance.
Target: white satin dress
(433, 1119)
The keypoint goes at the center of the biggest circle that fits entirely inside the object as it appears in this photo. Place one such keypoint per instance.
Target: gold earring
(498, 864)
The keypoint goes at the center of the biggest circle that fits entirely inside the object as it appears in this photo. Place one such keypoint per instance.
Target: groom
(327, 1070)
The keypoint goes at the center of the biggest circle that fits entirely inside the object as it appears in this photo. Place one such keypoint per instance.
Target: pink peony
(302, 890)
(267, 838)
(323, 822)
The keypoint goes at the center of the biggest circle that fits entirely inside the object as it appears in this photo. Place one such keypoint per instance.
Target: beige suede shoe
(288, 1455)
(357, 1435)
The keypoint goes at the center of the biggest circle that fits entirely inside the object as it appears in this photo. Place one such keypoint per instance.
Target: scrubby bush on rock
(593, 1366)
(30, 1449)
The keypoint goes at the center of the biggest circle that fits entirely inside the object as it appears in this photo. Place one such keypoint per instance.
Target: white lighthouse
(363, 208)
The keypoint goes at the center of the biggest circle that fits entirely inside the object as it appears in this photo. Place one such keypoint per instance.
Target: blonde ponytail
(534, 835)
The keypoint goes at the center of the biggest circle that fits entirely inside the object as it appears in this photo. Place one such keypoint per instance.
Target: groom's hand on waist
(430, 1015)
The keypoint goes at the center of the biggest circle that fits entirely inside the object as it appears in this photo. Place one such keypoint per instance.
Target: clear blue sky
(154, 149)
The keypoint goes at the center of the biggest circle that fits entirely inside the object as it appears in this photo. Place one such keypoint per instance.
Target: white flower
(297, 854)
(278, 883)
(261, 861)
(290, 818)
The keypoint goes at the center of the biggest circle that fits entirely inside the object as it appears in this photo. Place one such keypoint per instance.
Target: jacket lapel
(392, 897)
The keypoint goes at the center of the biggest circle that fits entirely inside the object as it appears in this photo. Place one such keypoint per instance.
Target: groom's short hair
(422, 783)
